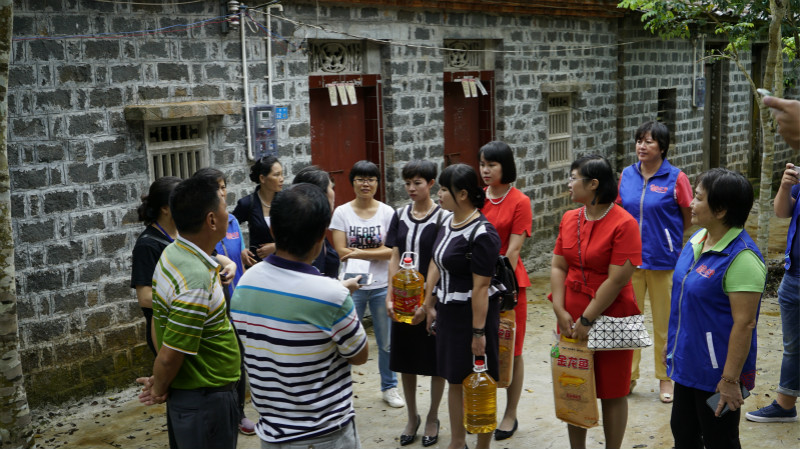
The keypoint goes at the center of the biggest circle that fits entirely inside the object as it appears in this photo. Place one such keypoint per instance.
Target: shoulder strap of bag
(471, 239)
(156, 238)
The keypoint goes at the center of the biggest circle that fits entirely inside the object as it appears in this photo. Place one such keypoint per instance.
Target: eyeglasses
(365, 180)
(571, 179)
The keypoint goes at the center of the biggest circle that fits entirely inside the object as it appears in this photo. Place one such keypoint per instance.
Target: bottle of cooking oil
(507, 333)
(408, 289)
(480, 400)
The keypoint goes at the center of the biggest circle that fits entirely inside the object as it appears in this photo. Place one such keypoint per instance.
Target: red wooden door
(468, 122)
(343, 135)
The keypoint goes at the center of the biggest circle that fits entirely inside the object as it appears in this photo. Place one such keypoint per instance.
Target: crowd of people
(279, 315)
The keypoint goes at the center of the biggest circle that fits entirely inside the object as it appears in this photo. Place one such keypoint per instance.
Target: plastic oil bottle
(408, 289)
(507, 334)
(480, 400)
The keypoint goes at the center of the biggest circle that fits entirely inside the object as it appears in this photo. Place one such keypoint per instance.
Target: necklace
(460, 223)
(265, 204)
(491, 200)
(600, 217)
(417, 216)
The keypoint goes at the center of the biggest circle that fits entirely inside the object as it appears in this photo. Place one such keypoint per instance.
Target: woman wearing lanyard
(159, 232)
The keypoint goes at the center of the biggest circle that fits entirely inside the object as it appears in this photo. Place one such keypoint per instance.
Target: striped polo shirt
(189, 317)
(297, 328)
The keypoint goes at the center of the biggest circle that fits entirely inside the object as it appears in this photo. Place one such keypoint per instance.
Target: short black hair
(423, 168)
(300, 216)
(156, 198)
(365, 169)
(313, 175)
(659, 132)
(212, 172)
(497, 151)
(597, 167)
(729, 191)
(192, 200)
(262, 166)
(458, 177)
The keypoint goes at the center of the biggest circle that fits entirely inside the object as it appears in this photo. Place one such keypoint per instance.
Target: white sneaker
(392, 397)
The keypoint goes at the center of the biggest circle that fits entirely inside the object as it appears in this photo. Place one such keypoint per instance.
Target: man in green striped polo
(197, 366)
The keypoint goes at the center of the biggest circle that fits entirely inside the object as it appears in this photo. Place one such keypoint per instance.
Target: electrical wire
(149, 4)
(167, 29)
(433, 47)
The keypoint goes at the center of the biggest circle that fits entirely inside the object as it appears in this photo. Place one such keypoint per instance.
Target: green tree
(15, 416)
(740, 23)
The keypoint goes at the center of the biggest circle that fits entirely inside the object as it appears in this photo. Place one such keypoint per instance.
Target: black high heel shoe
(431, 440)
(505, 434)
(405, 440)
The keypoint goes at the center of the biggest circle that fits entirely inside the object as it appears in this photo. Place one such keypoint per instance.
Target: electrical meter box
(263, 132)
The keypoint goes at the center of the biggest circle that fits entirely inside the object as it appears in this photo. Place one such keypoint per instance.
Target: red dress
(514, 216)
(612, 240)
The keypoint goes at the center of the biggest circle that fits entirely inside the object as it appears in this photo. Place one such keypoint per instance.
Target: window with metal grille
(559, 135)
(176, 148)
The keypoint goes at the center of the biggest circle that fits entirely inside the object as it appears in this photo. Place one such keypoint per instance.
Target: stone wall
(78, 170)
(78, 167)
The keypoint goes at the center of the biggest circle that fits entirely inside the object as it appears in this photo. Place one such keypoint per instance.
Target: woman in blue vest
(716, 294)
(657, 194)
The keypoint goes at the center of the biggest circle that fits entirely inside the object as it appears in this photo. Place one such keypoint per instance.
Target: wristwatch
(585, 322)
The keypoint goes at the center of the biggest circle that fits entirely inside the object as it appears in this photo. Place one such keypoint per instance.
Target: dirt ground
(118, 420)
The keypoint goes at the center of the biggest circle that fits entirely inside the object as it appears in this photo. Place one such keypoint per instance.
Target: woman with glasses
(597, 249)
(657, 194)
(359, 232)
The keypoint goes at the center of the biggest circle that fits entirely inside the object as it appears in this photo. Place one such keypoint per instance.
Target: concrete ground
(118, 420)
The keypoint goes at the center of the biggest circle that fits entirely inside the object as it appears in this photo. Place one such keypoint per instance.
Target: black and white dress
(454, 290)
(413, 350)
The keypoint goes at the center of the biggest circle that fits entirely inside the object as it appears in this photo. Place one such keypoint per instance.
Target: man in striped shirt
(197, 366)
(300, 332)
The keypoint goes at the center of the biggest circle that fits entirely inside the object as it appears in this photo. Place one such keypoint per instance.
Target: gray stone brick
(108, 147)
(95, 270)
(46, 50)
(79, 173)
(81, 224)
(44, 280)
(153, 93)
(61, 253)
(81, 73)
(28, 179)
(153, 50)
(86, 124)
(193, 51)
(65, 201)
(22, 128)
(105, 98)
(69, 302)
(173, 72)
(102, 49)
(105, 195)
(53, 101)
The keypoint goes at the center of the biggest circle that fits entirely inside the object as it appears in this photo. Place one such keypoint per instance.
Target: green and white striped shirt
(189, 316)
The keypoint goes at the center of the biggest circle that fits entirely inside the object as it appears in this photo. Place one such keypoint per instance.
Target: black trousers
(694, 425)
(203, 418)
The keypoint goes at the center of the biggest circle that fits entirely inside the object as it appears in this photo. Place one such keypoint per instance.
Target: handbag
(627, 332)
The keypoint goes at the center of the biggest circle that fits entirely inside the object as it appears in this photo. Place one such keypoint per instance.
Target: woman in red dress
(509, 210)
(597, 250)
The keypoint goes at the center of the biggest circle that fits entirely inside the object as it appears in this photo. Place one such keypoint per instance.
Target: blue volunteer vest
(790, 236)
(653, 205)
(700, 318)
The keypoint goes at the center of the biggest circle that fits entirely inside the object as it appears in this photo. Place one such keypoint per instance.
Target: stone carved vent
(559, 136)
(462, 59)
(336, 57)
(176, 149)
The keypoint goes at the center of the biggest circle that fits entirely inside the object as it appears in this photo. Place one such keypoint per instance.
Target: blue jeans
(789, 300)
(381, 323)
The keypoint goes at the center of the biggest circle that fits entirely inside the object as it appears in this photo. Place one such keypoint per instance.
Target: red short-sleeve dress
(513, 215)
(612, 240)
